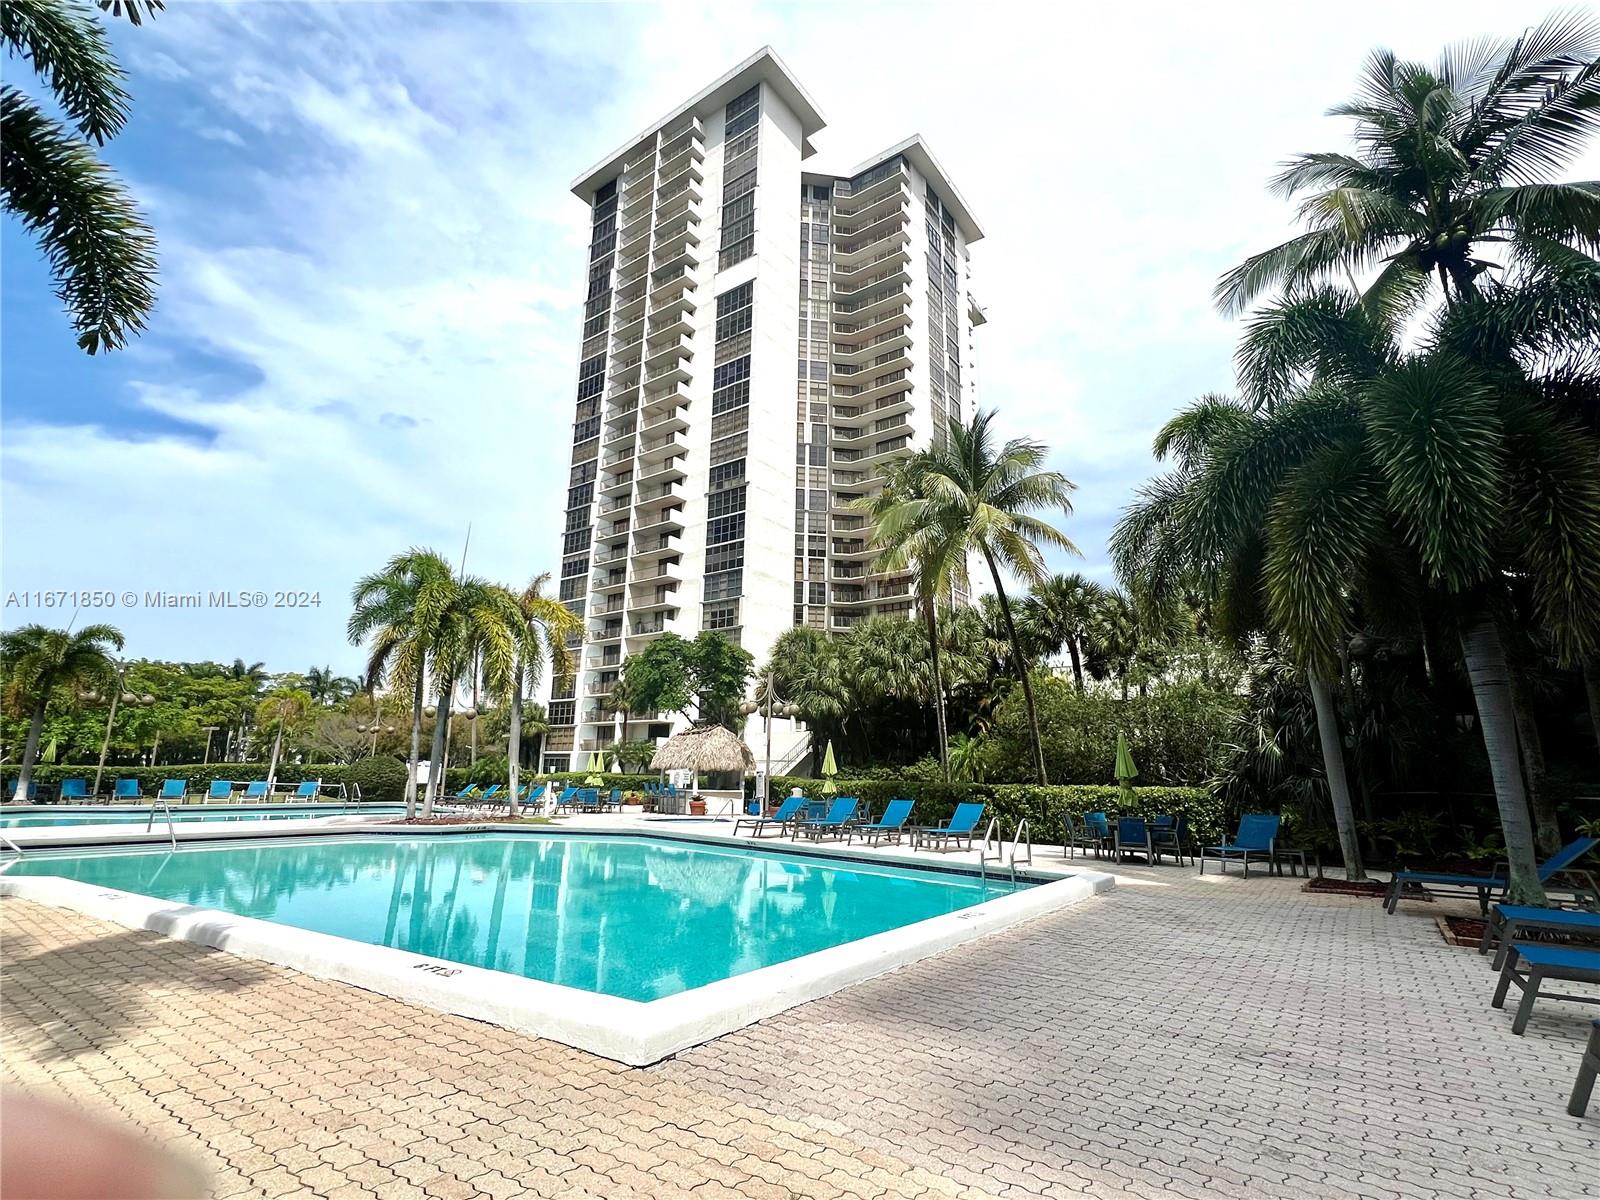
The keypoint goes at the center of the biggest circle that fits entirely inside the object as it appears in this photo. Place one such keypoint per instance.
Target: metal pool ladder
(172, 833)
(1021, 842)
(14, 848)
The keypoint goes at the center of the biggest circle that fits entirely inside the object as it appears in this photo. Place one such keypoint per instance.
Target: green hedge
(1044, 807)
(49, 775)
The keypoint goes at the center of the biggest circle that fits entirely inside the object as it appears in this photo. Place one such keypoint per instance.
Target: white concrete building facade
(760, 339)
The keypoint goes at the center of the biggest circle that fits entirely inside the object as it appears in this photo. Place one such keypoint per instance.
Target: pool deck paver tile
(1182, 1037)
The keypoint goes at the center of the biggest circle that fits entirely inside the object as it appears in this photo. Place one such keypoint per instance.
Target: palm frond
(100, 251)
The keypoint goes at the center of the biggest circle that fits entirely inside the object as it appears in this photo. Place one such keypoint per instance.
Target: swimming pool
(41, 817)
(639, 918)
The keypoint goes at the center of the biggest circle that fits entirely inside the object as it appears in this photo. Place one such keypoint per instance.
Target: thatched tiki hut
(707, 748)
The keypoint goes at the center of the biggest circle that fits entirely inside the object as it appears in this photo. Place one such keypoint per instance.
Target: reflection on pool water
(638, 918)
(36, 818)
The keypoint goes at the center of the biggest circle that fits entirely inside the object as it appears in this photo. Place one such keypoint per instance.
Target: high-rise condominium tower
(759, 340)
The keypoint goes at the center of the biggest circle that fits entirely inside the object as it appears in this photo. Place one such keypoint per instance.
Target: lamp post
(126, 698)
(769, 704)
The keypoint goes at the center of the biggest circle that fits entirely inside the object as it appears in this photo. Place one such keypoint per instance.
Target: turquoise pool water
(632, 917)
(38, 818)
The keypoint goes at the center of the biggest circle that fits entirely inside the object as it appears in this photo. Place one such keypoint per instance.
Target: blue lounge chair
(31, 796)
(891, 826)
(535, 796)
(1509, 922)
(961, 827)
(1076, 835)
(1484, 887)
(568, 797)
(466, 793)
(309, 789)
(220, 789)
(1588, 1068)
(840, 813)
(174, 789)
(1257, 834)
(1097, 829)
(1132, 836)
(788, 813)
(491, 795)
(1544, 962)
(73, 790)
(256, 789)
(127, 789)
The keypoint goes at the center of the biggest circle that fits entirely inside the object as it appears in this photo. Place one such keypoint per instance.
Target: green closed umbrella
(49, 754)
(829, 769)
(1126, 773)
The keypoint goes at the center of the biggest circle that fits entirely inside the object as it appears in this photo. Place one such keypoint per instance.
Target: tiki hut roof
(706, 748)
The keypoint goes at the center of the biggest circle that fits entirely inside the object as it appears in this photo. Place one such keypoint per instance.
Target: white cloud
(396, 258)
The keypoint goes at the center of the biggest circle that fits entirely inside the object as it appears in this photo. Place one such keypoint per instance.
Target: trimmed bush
(1044, 807)
(379, 777)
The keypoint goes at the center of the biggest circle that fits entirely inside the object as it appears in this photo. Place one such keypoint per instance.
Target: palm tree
(286, 709)
(1451, 159)
(979, 500)
(400, 608)
(480, 627)
(327, 688)
(545, 625)
(1064, 611)
(908, 539)
(100, 250)
(38, 661)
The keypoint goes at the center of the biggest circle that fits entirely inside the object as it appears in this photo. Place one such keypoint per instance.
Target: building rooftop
(764, 66)
(916, 150)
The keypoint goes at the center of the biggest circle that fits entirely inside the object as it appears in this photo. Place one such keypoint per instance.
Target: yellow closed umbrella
(829, 769)
(1126, 773)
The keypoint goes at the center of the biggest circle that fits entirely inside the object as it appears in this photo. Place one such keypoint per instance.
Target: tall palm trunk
(931, 617)
(1022, 666)
(436, 760)
(1591, 688)
(514, 741)
(1546, 826)
(416, 749)
(1491, 688)
(1344, 815)
(472, 758)
(272, 768)
(30, 751)
(1077, 661)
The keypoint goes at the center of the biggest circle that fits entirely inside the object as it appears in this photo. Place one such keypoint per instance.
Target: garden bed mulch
(1461, 931)
(1328, 886)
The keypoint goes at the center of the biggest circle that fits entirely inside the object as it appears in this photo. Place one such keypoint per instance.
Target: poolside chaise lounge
(127, 789)
(220, 789)
(567, 799)
(1508, 922)
(256, 789)
(174, 789)
(788, 813)
(74, 789)
(889, 827)
(28, 797)
(1588, 1068)
(1257, 833)
(309, 789)
(831, 824)
(1544, 962)
(962, 827)
(1485, 887)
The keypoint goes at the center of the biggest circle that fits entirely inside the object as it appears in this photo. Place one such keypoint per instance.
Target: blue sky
(372, 268)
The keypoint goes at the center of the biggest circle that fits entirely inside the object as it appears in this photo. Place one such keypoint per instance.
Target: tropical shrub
(1175, 732)
(380, 777)
(1044, 807)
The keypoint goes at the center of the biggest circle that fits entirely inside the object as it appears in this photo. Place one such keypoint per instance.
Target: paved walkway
(1180, 1037)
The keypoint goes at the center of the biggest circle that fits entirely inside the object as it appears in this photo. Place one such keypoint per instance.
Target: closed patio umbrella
(1126, 772)
(829, 769)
